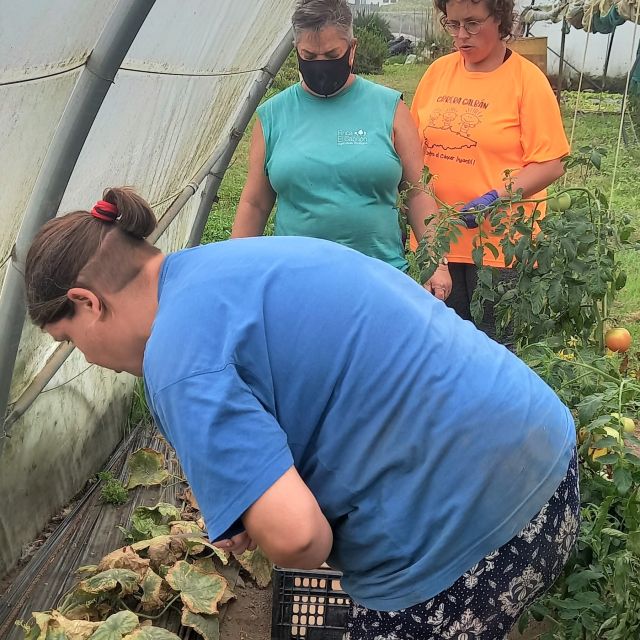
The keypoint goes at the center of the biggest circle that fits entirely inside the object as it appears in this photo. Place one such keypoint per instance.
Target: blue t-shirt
(426, 444)
(333, 165)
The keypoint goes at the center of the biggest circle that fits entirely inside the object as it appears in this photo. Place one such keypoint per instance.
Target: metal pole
(242, 121)
(527, 29)
(76, 122)
(561, 63)
(213, 169)
(39, 382)
(607, 57)
(584, 77)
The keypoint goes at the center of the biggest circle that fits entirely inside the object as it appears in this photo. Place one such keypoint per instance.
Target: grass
(594, 129)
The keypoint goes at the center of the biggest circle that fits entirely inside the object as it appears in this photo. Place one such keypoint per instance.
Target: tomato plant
(598, 594)
(565, 265)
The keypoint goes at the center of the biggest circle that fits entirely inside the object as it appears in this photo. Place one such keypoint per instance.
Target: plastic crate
(308, 605)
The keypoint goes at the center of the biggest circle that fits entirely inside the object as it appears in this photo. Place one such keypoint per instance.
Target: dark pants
(486, 602)
(464, 278)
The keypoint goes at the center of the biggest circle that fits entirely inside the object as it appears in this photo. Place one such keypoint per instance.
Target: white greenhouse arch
(149, 93)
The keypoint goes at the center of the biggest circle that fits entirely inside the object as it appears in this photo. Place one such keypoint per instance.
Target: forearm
(420, 205)
(250, 220)
(535, 177)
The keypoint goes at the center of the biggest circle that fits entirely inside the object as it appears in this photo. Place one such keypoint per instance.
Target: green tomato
(552, 204)
(564, 201)
(628, 424)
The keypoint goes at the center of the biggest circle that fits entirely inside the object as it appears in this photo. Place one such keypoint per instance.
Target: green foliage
(286, 76)
(371, 52)
(112, 490)
(598, 594)
(567, 275)
(373, 23)
(444, 228)
(178, 570)
(399, 59)
(565, 263)
(146, 468)
(139, 412)
(150, 522)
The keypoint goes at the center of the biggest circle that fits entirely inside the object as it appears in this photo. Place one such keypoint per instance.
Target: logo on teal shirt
(352, 137)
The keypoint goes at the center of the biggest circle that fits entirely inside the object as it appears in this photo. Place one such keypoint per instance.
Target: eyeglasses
(472, 27)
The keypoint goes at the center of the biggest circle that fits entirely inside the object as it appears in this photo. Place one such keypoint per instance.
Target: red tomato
(618, 339)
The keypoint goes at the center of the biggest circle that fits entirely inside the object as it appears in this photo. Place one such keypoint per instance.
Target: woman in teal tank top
(335, 150)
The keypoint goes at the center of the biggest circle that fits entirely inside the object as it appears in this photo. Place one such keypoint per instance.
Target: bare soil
(249, 616)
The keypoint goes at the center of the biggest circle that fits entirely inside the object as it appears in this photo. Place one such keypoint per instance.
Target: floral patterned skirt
(486, 602)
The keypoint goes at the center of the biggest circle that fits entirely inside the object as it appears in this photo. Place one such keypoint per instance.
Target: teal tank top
(332, 163)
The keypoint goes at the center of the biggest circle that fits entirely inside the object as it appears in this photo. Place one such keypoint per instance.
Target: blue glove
(467, 213)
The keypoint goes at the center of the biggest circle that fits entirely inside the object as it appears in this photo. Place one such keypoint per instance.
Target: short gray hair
(315, 15)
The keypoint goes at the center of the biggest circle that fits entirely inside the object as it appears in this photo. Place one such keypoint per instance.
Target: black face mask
(325, 77)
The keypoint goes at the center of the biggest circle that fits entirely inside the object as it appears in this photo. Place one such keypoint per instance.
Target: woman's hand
(440, 283)
(238, 544)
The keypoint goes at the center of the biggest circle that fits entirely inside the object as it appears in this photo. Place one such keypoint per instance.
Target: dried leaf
(199, 591)
(80, 605)
(146, 544)
(257, 565)
(160, 551)
(226, 596)
(207, 626)
(151, 633)
(109, 581)
(185, 526)
(166, 550)
(189, 498)
(182, 527)
(154, 595)
(42, 623)
(124, 558)
(116, 626)
(89, 569)
(222, 555)
(146, 468)
(206, 565)
(70, 629)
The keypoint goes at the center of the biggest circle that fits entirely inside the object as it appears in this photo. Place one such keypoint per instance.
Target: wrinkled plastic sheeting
(180, 88)
(38, 70)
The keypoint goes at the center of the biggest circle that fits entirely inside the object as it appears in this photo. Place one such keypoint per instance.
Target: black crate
(308, 605)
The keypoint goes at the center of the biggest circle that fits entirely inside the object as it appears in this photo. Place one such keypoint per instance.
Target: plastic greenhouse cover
(179, 89)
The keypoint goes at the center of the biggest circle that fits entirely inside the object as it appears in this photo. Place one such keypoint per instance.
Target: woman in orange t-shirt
(480, 111)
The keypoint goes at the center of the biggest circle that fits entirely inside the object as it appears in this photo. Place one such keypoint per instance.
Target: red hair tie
(105, 211)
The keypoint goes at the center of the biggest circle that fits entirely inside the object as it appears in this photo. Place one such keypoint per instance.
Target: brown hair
(80, 250)
(502, 10)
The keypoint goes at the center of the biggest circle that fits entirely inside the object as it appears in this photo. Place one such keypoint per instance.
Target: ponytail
(135, 216)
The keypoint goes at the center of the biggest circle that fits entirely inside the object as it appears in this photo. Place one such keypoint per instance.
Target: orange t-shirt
(475, 125)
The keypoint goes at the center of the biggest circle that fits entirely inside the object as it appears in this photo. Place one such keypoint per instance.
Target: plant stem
(142, 615)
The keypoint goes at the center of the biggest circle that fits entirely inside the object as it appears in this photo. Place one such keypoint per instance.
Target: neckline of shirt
(485, 74)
